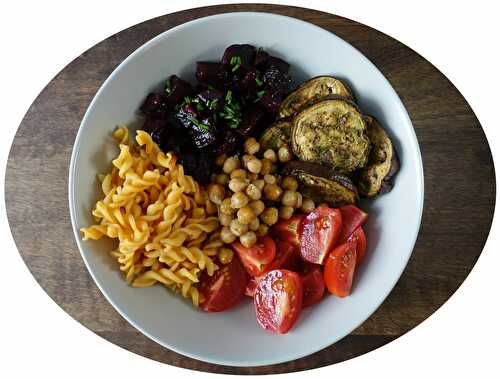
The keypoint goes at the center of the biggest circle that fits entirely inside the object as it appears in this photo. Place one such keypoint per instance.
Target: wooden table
(459, 189)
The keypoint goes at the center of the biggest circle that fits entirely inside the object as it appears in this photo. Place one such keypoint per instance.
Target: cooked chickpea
(248, 239)
(284, 154)
(252, 176)
(254, 225)
(216, 193)
(245, 158)
(269, 179)
(237, 228)
(225, 206)
(262, 230)
(251, 146)
(225, 255)
(253, 192)
(219, 161)
(266, 166)
(239, 200)
(226, 235)
(225, 219)
(323, 205)
(270, 154)
(239, 173)
(286, 212)
(290, 183)
(254, 165)
(257, 206)
(298, 204)
(272, 192)
(246, 215)
(307, 205)
(221, 179)
(269, 216)
(238, 185)
(289, 198)
(231, 164)
(259, 183)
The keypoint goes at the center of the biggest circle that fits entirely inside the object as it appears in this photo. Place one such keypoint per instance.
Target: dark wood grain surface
(459, 181)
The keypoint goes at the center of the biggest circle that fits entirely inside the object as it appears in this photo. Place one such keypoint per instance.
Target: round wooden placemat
(459, 180)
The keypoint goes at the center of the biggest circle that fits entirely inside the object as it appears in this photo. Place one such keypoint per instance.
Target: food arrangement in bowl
(239, 186)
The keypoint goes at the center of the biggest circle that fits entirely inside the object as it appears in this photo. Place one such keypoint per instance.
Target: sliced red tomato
(278, 300)
(352, 218)
(339, 269)
(224, 288)
(314, 287)
(289, 230)
(319, 232)
(359, 237)
(251, 287)
(256, 258)
(286, 257)
(306, 267)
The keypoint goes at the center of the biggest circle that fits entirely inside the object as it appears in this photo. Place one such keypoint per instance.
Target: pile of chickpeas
(250, 194)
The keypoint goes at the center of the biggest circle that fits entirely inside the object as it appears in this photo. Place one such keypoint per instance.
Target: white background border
(40, 37)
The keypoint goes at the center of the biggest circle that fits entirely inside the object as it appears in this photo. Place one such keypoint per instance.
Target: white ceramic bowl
(233, 337)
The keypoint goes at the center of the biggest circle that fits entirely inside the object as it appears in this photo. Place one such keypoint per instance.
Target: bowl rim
(75, 154)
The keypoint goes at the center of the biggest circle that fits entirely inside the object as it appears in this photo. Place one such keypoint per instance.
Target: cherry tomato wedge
(278, 300)
(319, 232)
(359, 237)
(224, 288)
(339, 269)
(314, 287)
(256, 258)
(251, 287)
(289, 230)
(286, 257)
(352, 218)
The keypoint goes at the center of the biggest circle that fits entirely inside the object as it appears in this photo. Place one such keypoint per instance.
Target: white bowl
(233, 337)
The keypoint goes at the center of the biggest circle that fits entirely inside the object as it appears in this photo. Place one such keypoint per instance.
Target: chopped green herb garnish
(199, 107)
(229, 96)
(212, 104)
(235, 62)
(259, 95)
(168, 86)
(259, 82)
(187, 100)
(198, 123)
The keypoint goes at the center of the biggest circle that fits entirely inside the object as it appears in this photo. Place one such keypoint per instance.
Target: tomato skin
(314, 287)
(359, 237)
(256, 258)
(320, 230)
(352, 218)
(224, 288)
(289, 230)
(251, 287)
(339, 269)
(278, 300)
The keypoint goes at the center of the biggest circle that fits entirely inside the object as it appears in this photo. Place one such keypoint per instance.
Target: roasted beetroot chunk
(202, 131)
(176, 90)
(228, 142)
(278, 63)
(261, 58)
(271, 101)
(239, 56)
(253, 119)
(215, 74)
(212, 100)
(153, 103)
(276, 80)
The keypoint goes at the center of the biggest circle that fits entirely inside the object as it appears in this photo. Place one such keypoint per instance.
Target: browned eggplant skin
(311, 90)
(331, 131)
(383, 163)
(322, 183)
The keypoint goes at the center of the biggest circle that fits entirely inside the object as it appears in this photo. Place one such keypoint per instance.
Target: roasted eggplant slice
(322, 183)
(313, 89)
(277, 135)
(383, 162)
(331, 131)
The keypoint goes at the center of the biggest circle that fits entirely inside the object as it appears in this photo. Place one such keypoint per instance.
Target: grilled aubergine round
(277, 135)
(383, 163)
(331, 131)
(313, 89)
(322, 183)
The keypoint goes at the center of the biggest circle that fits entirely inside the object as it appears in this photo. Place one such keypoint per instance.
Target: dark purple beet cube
(212, 73)
(245, 53)
(252, 120)
(153, 103)
(278, 63)
(212, 100)
(261, 58)
(228, 142)
(271, 101)
(276, 80)
(176, 90)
